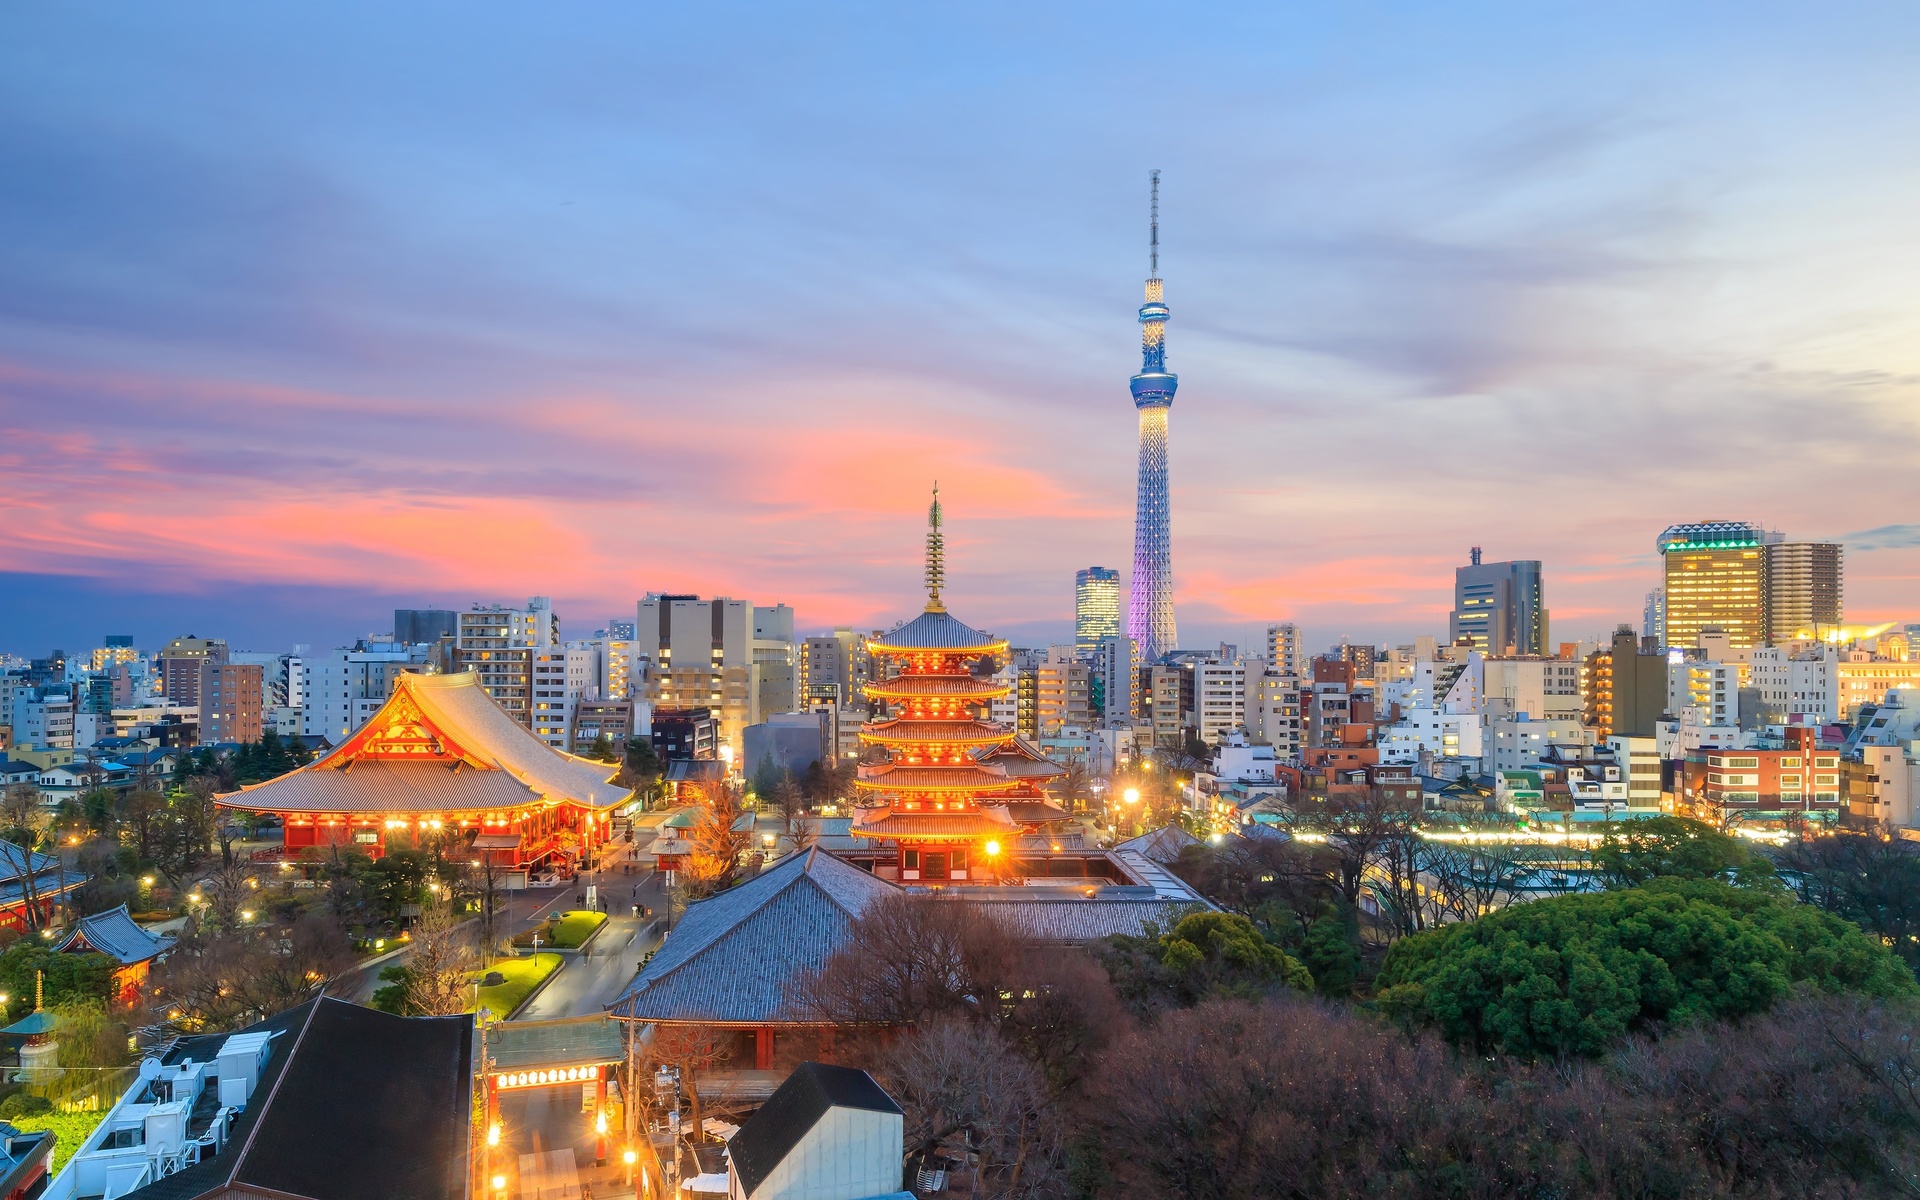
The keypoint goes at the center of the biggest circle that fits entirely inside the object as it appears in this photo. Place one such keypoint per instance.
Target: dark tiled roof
(1161, 845)
(731, 956)
(353, 1103)
(934, 631)
(114, 933)
(1074, 920)
(793, 1110)
(1036, 812)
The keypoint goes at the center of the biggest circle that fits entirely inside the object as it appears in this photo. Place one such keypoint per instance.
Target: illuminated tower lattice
(1150, 607)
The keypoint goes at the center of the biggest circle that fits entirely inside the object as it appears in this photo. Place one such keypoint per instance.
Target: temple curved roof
(944, 687)
(964, 825)
(939, 630)
(906, 731)
(439, 743)
(912, 777)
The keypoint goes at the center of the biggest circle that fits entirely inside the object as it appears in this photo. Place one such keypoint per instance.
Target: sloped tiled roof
(1161, 845)
(731, 956)
(904, 686)
(115, 934)
(1074, 920)
(1018, 759)
(975, 822)
(911, 777)
(934, 631)
(951, 732)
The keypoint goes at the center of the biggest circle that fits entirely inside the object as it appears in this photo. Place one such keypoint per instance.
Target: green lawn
(564, 931)
(68, 1129)
(522, 976)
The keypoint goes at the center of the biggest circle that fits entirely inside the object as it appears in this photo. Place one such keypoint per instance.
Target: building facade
(1500, 607)
(1715, 577)
(499, 644)
(1096, 607)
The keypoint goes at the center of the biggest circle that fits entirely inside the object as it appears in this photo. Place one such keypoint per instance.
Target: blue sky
(309, 310)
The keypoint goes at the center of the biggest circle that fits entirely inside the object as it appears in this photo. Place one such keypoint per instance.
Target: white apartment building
(722, 654)
(1423, 729)
(1519, 744)
(499, 643)
(1508, 685)
(1639, 758)
(344, 688)
(1219, 696)
(1272, 708)
(43, 718)
(561, 679)
(1711, 687)
(1116, 664)
(1286, 653)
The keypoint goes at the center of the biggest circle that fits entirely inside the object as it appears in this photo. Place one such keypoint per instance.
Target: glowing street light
(1131, 796)
(992, 849)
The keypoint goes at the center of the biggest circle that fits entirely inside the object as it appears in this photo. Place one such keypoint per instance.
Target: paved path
(592, 979)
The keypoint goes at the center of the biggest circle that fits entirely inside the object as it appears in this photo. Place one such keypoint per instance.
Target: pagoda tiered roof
(969, 778)
(959, 824)
(439, 744)
(907, 731)
(937, 687)
(935, 630)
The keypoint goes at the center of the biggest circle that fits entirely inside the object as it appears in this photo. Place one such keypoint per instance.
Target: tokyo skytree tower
(1150, 607)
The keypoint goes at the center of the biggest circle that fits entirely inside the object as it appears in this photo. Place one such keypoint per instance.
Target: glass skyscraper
(1096, 607)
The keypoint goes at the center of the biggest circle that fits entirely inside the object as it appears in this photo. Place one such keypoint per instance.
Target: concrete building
(341, 689)
(715, 654)
(1286, 652)
(615, 720)
(1499, 607)
(776, 673)
(1063, 692)
(1626, 686)
(1711, 687)
(1273, 708)
(562, 678)
(179, 666)
(231, 706)
(116, 649)
(1521, 742)
(499, 644)
(1117, 665)
(1219, 696)
(833, 669)
(1508, 685)
(42, 717)
(792, 742)
(1805, 592)
(1166, 696)
(1802, 683)
(1096, 608)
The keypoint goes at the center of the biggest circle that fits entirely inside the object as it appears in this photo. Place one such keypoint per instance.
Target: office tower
(776, 677)
(1804, 590)
(1653, 618)
(1150, 606)
(230, 701)
(1096, 607)
(1500, 607)
(1286, 655)
(180, 666)
(500, 644)
(1715, 576)
(117, 648)
(415, 625)
(1117, 663)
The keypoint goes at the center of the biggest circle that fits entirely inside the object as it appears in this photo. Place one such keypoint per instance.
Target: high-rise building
(500, 644)
(1653, 618)
(1500, 607)
(1063, 683)
(1150, 605)
(340, 690)
(1715, 576)
(180, 666)
(1804, 590)
(1117, 663)
(412, 626)
(835, 669)
(1286, 653)
(1625, 686)
(1096, 607)
(117, 648)
(1219, 695)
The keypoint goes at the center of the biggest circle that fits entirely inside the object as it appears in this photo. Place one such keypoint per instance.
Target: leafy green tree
(1206, 955)
(1331, 951)
(70, 977)
(1676, 848)
(1572, 974)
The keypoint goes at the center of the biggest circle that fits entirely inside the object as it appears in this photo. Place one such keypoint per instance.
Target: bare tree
(790, 802)
(970, 1099)
(1071, 788)
(486, 877)
(911, 959)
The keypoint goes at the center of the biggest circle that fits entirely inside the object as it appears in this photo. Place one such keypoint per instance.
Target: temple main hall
(441, 758)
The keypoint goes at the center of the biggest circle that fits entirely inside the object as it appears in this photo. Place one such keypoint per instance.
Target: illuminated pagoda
(442, 759)
(954, 793)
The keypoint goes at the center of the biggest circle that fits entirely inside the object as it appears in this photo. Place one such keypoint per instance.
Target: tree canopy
(1676, 848)
(1571, 974)
(1208, 954)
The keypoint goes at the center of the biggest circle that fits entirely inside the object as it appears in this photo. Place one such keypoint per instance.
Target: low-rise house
(827, 1133)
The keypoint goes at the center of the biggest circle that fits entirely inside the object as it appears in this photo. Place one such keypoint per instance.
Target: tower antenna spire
(936, 555)
(1153, 249)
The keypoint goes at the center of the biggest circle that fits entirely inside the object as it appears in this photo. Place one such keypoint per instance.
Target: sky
(311, 311)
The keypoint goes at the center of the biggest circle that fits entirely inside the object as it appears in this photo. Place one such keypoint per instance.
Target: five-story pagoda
(944, 809)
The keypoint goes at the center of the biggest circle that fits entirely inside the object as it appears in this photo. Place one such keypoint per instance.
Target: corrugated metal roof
(569, 1042)
(934, 631)
(732, 956)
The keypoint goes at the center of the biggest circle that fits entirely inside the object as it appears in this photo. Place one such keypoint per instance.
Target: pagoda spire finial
(936, 555)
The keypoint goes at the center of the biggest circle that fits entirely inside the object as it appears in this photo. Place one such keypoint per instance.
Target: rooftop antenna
(1154, 246)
